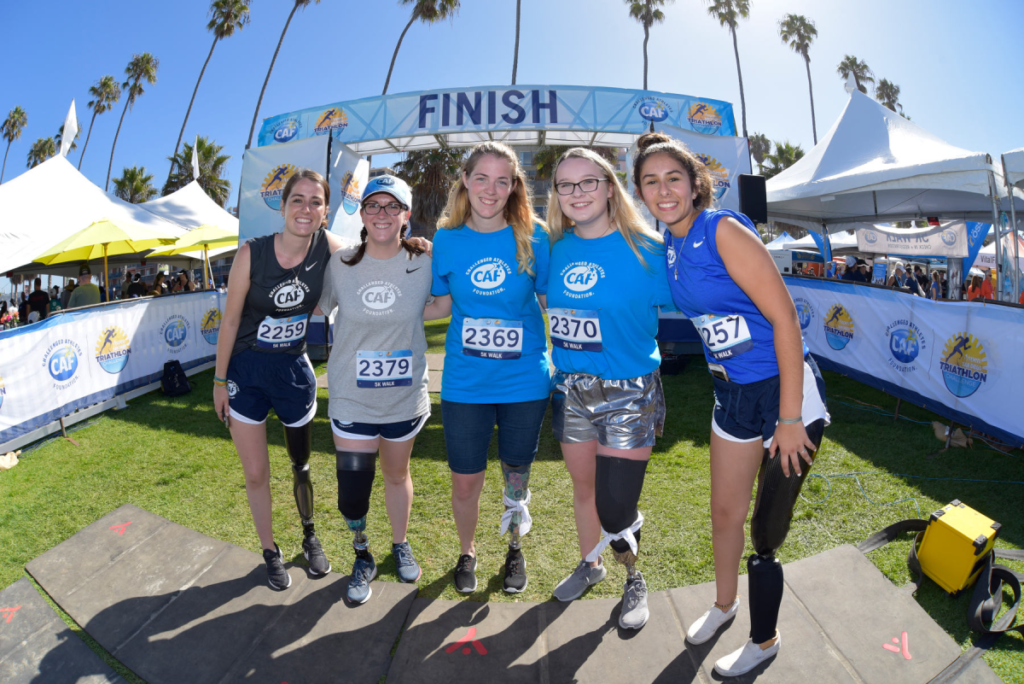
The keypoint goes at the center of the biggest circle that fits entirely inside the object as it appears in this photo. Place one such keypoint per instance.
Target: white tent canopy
(780, 241)
(841, 242)
(875, 165)
(191, 208)
(1014, 162)
(51, 202)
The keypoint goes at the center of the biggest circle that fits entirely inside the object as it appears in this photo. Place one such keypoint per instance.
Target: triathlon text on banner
(958, 359)
(50, 369)
(528, 108)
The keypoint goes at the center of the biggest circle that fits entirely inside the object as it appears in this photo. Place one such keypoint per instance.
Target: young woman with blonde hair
(607, 282)
(490, 266)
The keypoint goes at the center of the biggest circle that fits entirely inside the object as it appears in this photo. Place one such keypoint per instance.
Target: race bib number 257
(724, 336)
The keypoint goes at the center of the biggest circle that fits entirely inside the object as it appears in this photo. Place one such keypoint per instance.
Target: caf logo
(175, 333)
(804, 311)
(488, 275)
(581, 277)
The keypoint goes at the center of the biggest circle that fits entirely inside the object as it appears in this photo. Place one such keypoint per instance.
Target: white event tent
(190, 207)
(1014, 164)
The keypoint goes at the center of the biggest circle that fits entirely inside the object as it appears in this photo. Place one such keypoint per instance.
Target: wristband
(791, 421)
(216, 379)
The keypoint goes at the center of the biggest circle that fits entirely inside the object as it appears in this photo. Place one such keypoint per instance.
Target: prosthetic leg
(298, 442)
(773, 512)
(516, 519)
(356, 471)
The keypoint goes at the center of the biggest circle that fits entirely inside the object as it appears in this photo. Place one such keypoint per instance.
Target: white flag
(67, 136)
(195, 159)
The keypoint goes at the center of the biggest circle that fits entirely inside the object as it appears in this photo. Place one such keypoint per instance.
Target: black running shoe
(465, 574)
(515, 571)
(314, 553)
(277, 577)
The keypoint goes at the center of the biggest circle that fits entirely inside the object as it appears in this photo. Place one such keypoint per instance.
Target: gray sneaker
(408, 569)
(634, 604)
(573, 586)
(363, 572)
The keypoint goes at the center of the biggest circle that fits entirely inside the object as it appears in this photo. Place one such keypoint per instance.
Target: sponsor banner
(725, 158)
(69, 361)
(946, 240)
(523, 107)
(958, 359)
(349, 175)
(264, 174)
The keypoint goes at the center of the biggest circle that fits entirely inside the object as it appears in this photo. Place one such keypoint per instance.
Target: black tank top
(275, 316)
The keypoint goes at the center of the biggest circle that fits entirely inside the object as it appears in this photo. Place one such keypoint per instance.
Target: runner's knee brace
(356, 470)
(776, 496)
(298, 441)
(617, 486)
(516, 496)
(764, 586)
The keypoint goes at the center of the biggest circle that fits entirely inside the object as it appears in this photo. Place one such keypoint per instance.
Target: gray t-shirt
(378, 368)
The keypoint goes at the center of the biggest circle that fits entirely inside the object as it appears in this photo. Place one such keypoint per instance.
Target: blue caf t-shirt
(495, 351)
(603, 306)
(735, 332)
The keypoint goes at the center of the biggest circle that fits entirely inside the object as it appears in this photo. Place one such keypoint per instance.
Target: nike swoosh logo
(695, 245)
(310, 404)
(413, 270)
(311, 266)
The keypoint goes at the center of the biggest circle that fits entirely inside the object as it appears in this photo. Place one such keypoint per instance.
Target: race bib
(724, 336)
(492, 338)
(575, 329)
(378, 369)
(281, 333)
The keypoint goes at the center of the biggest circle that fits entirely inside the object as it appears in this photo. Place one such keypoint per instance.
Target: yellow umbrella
(206, 236)
(104, 238)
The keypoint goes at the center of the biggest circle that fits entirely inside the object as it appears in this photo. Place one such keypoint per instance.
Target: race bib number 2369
(492, 338)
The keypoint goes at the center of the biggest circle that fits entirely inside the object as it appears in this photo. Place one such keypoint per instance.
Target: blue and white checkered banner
(52, 368)
(499, 108)
(959, 359)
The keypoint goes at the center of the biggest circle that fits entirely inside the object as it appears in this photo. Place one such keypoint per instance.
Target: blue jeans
(468, 429)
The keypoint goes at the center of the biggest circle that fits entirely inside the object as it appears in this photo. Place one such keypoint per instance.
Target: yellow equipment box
(956, 543)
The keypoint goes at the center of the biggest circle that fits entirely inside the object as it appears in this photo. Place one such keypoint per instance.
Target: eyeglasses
(392, 209)
(586, 185)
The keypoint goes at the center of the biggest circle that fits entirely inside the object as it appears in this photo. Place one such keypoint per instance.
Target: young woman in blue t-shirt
(607, 282)
(769, 396)
(490, 266)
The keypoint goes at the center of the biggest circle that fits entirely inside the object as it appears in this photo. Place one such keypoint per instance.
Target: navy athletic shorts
(259, 381)
(402, 431)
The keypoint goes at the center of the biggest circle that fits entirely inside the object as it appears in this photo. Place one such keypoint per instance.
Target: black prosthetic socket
(764, 586)
(298, 441)
(617, 486)
(621, 546)
(356, 471)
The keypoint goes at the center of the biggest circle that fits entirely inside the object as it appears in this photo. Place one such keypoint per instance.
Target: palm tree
(431, 173)
(134, 185)
(59, 138)
(105, 94)
(888, 95)
(42, 149)
(142, 68)
(211, 170)
(858, 69)
(646, 12)
(12, 127)
(785, 155)
(226, 16)
(298, 3)
(427, 11)
(799, 32)
(760, 148)
(728, 12)
(515, 54)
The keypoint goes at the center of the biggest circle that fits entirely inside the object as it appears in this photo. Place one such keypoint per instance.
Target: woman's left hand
(791, 443)
(423, 243)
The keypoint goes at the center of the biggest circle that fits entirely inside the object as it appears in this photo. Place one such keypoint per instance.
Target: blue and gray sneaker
(363, 572)
(408, 569)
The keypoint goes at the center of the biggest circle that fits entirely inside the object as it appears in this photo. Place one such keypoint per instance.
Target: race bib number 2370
(575, 329)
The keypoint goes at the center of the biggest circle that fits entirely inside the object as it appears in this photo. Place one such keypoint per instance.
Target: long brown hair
(621, 210)
(651, 144)
(308, 174)
(518, 209)
(361, 250)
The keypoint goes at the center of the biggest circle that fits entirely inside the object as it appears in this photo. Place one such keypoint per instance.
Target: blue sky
(953, 63)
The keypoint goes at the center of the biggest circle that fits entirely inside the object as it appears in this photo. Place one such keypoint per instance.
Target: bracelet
(791, 421)
(216, 379)
(219, 382)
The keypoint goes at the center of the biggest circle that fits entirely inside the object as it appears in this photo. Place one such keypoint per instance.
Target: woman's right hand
(220, 404)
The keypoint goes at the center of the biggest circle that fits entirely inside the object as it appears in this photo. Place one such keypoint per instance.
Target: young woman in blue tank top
(490, 267)
(769, 396)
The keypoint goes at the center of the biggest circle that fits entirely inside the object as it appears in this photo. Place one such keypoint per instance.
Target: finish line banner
(51, 369)
(492, 108)
(960, 360)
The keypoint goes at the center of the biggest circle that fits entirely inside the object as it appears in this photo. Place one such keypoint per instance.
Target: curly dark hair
(651, 144)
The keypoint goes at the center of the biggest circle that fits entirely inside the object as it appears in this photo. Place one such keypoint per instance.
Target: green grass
(173, 458)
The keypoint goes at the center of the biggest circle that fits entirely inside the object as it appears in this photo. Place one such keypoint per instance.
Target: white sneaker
(707, 624)
(745, 659)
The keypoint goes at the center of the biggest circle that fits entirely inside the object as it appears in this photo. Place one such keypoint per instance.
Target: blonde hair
(518, 209)
(623, 213)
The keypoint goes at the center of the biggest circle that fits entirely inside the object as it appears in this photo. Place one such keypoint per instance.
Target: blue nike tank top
(735, 333)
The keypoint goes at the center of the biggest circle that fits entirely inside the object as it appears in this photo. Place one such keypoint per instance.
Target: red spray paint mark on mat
(903, 648)
(121, 528)
(470, 638)
(9, 613)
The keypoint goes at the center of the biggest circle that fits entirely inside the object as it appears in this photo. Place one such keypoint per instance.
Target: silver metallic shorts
(620, 414)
